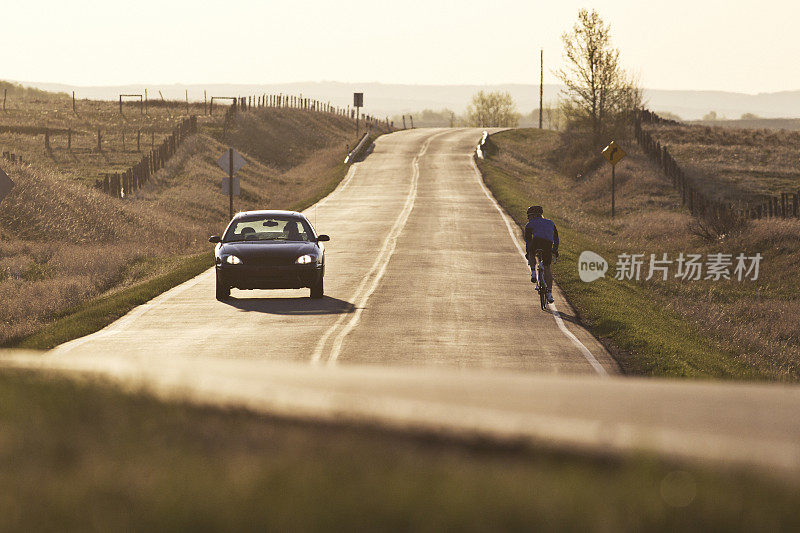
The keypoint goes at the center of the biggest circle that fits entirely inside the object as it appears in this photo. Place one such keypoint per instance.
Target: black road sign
(5, 184)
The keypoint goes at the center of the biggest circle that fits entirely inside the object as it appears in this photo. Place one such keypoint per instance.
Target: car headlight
(305, 259)
(232, 260)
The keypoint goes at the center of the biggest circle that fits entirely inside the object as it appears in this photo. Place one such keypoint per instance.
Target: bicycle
(541, 284)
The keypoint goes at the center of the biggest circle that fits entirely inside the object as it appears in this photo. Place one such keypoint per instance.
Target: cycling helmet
(535, 210)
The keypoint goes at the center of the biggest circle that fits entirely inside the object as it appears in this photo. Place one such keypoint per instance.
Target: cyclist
(541, 234)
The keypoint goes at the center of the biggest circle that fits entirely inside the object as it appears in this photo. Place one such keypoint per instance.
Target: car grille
(270, 261)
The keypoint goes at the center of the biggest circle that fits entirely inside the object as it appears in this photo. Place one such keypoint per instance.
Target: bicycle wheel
(542, 288)
(543, 297)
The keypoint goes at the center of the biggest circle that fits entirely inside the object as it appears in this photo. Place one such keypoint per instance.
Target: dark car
(269, 250)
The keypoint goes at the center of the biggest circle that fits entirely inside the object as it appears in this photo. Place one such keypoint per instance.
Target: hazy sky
(742, 46)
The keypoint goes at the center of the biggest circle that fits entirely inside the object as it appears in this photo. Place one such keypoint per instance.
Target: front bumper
(272, 277)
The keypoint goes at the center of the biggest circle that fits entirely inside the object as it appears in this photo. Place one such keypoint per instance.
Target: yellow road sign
(613, 153)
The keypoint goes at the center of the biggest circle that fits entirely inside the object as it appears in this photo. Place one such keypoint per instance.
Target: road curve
(429, 323)
(423, 268)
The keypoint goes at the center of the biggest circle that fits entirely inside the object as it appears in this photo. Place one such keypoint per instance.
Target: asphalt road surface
(431, 323)
(422, 269)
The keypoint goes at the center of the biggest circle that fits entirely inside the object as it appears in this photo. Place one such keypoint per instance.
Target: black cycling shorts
(537, 243)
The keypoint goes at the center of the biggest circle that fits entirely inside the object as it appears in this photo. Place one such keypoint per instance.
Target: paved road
(732, 423)
(430, 323)
(421, 269)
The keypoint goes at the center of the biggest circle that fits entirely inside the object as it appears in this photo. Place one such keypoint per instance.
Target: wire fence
(246, 103)
(699, 203)
(119, 184)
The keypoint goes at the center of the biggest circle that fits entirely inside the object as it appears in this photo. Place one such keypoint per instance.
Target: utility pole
(230, 182)
(541, 84)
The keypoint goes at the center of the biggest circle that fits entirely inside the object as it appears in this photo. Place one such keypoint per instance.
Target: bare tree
(598, 91)
(492, 109)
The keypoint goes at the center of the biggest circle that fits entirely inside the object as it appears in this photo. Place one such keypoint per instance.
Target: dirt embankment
(63, 243)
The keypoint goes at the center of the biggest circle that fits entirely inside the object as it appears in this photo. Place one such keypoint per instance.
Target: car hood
(268, 252)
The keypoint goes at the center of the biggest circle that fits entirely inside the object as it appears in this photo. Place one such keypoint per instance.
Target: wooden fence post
(139, 140)
(99, 141)
(69, 139)
(795, 201)
(5, 94)
(73, 103)
(47, 139)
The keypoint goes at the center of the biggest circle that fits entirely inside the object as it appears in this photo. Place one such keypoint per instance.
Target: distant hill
(792, 124)
(390, 99)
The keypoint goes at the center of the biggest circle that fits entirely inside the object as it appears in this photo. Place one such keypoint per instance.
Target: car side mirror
(323, 238)
(214, 238)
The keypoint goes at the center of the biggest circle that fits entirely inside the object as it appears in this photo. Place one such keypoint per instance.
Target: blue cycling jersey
(542, 228)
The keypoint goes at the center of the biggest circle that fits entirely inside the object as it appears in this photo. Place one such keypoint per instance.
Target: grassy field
(754, 123)
(66, 248)
(735, 164)
(29, 112)
(700, 328)
(104, 460)
(94, 314)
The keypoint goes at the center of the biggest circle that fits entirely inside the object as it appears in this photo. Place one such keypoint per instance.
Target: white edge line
(556, 315)
(119, 324)
(342, 186)
(136, 312)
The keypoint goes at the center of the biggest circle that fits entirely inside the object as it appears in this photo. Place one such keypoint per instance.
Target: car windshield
(268, 228)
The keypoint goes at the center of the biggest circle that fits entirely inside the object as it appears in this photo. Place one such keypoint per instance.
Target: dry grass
(84, 456)
(763, 333)
(62, 242)
(29, 112)
(266, 133)
(733, 164)
(754, 123)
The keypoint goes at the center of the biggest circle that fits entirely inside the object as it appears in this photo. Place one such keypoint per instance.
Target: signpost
(231, 161)
(5, 184)
(358, 103)
(614, 154)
